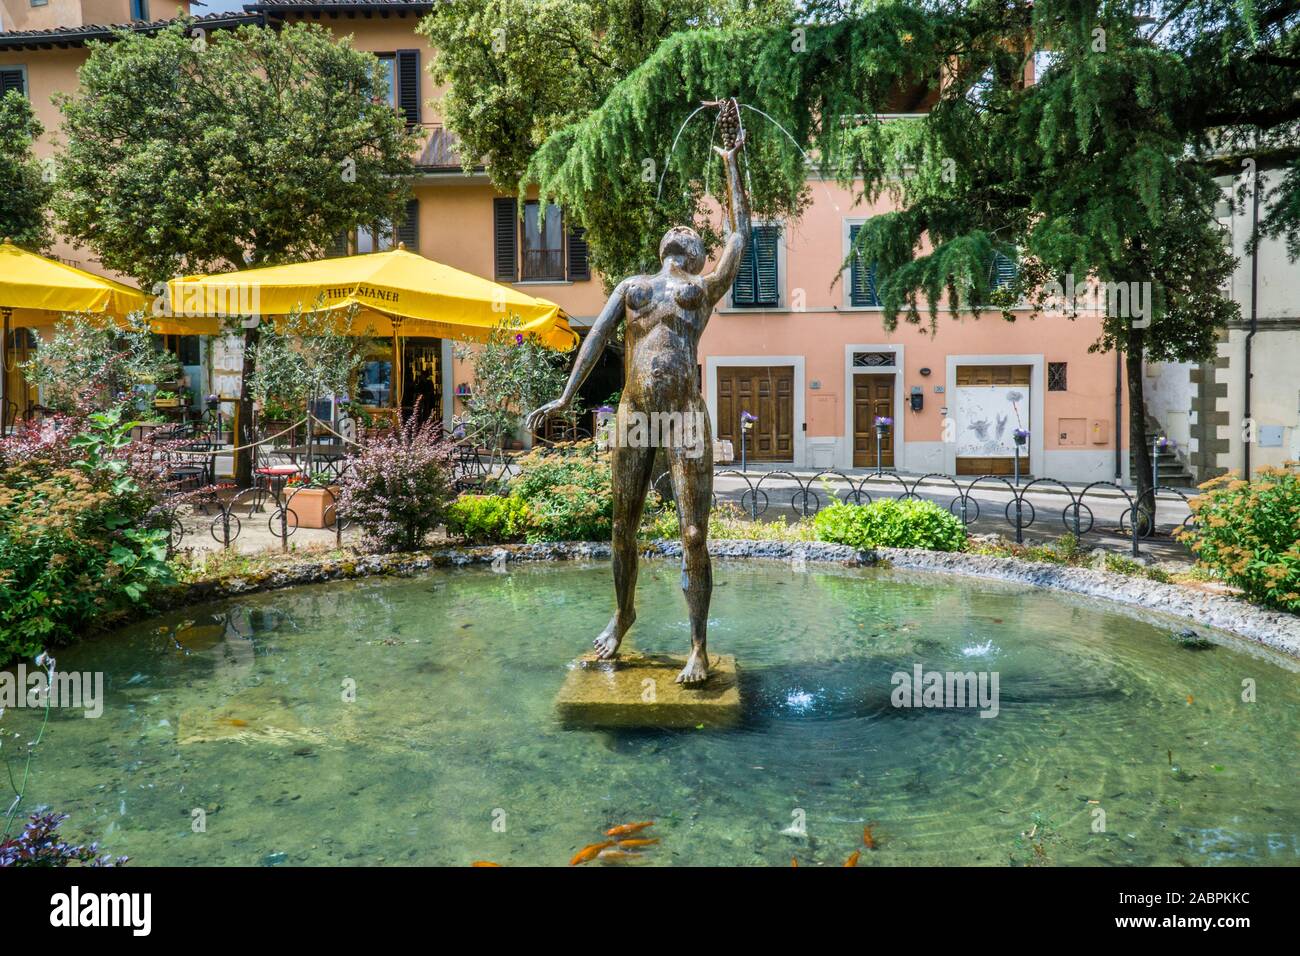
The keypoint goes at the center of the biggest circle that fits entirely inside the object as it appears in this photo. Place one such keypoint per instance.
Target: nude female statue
(665, 315)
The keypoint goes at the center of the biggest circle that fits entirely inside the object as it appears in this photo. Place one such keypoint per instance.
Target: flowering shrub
(397, 486)
(40, 845)
(1248, 533)
(891, 523)
(568, 490)
(80, 537)
(488, 519)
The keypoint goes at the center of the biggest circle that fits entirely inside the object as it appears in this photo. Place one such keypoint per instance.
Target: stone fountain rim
(1275, 630)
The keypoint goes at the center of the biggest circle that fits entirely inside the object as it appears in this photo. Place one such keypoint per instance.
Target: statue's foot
(611, 637)
(696, 670)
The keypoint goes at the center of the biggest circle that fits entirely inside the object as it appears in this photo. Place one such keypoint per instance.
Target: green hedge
(891, 523)
(488, 519)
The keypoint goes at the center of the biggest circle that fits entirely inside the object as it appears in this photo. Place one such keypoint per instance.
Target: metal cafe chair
(271, 468)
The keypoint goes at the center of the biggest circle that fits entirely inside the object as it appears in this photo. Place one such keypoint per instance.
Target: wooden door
(873, 396)
(766, 391)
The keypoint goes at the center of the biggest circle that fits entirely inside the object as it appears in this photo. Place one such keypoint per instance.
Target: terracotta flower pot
(315, 507)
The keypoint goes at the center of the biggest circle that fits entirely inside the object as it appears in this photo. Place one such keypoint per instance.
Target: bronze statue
(665, 316)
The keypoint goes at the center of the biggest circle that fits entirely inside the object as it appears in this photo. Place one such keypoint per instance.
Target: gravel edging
(1273, 629)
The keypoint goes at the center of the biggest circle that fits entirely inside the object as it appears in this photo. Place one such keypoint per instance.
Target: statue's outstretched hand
(537, 417)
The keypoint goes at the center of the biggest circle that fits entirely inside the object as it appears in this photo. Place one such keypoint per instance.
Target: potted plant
(166, 399)
(276, 416)
(1020, 436)
(313, 499)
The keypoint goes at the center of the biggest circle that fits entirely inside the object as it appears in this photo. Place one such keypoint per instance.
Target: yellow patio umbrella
(399, 294)
(36, 291)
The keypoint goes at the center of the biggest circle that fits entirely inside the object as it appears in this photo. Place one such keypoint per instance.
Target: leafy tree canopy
(24, 189)
(517, 71)
(187, 153)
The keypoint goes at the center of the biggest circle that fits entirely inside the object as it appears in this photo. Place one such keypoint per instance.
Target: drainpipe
(1119, 414)
(1254, 321)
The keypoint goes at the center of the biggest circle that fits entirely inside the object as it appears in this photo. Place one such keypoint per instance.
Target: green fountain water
(450, 752)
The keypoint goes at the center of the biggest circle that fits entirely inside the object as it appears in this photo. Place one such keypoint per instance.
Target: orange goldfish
(483, 863)
(794, 863)
(853, 858)
(868, 838)
(1189, 698)
(236, 722)
(589, 852)
(638, 842)
(627, 829)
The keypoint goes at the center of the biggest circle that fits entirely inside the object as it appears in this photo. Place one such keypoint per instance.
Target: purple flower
(1163, 442)
(605, 410)
(747, 417)
(883, 421)
(1021, 435)
(41, 845)
(519, 338)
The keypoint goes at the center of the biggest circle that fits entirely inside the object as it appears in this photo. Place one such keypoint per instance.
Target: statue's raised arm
(733, 137)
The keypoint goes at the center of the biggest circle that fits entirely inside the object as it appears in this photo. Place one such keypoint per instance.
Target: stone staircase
(1173, 469)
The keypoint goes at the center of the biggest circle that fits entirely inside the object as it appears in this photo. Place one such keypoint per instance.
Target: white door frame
(900, 422)
(713, 362)
(1037, 386)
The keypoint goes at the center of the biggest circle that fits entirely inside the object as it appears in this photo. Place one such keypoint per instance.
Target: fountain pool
(450, 752)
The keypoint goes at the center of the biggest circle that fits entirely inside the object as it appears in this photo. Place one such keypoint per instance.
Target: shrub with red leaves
(397, 487)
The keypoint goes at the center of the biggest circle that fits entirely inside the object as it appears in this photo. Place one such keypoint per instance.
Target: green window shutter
(12, 79)
(1003, 271)
(505, 230)
(862, 281)
(757, 283)
(408, 232)
(407, 72)
(742, 290)
(579, 263)
(766, 258)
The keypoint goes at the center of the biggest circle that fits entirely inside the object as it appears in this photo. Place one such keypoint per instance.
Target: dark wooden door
(873, 396)
(766, 391)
